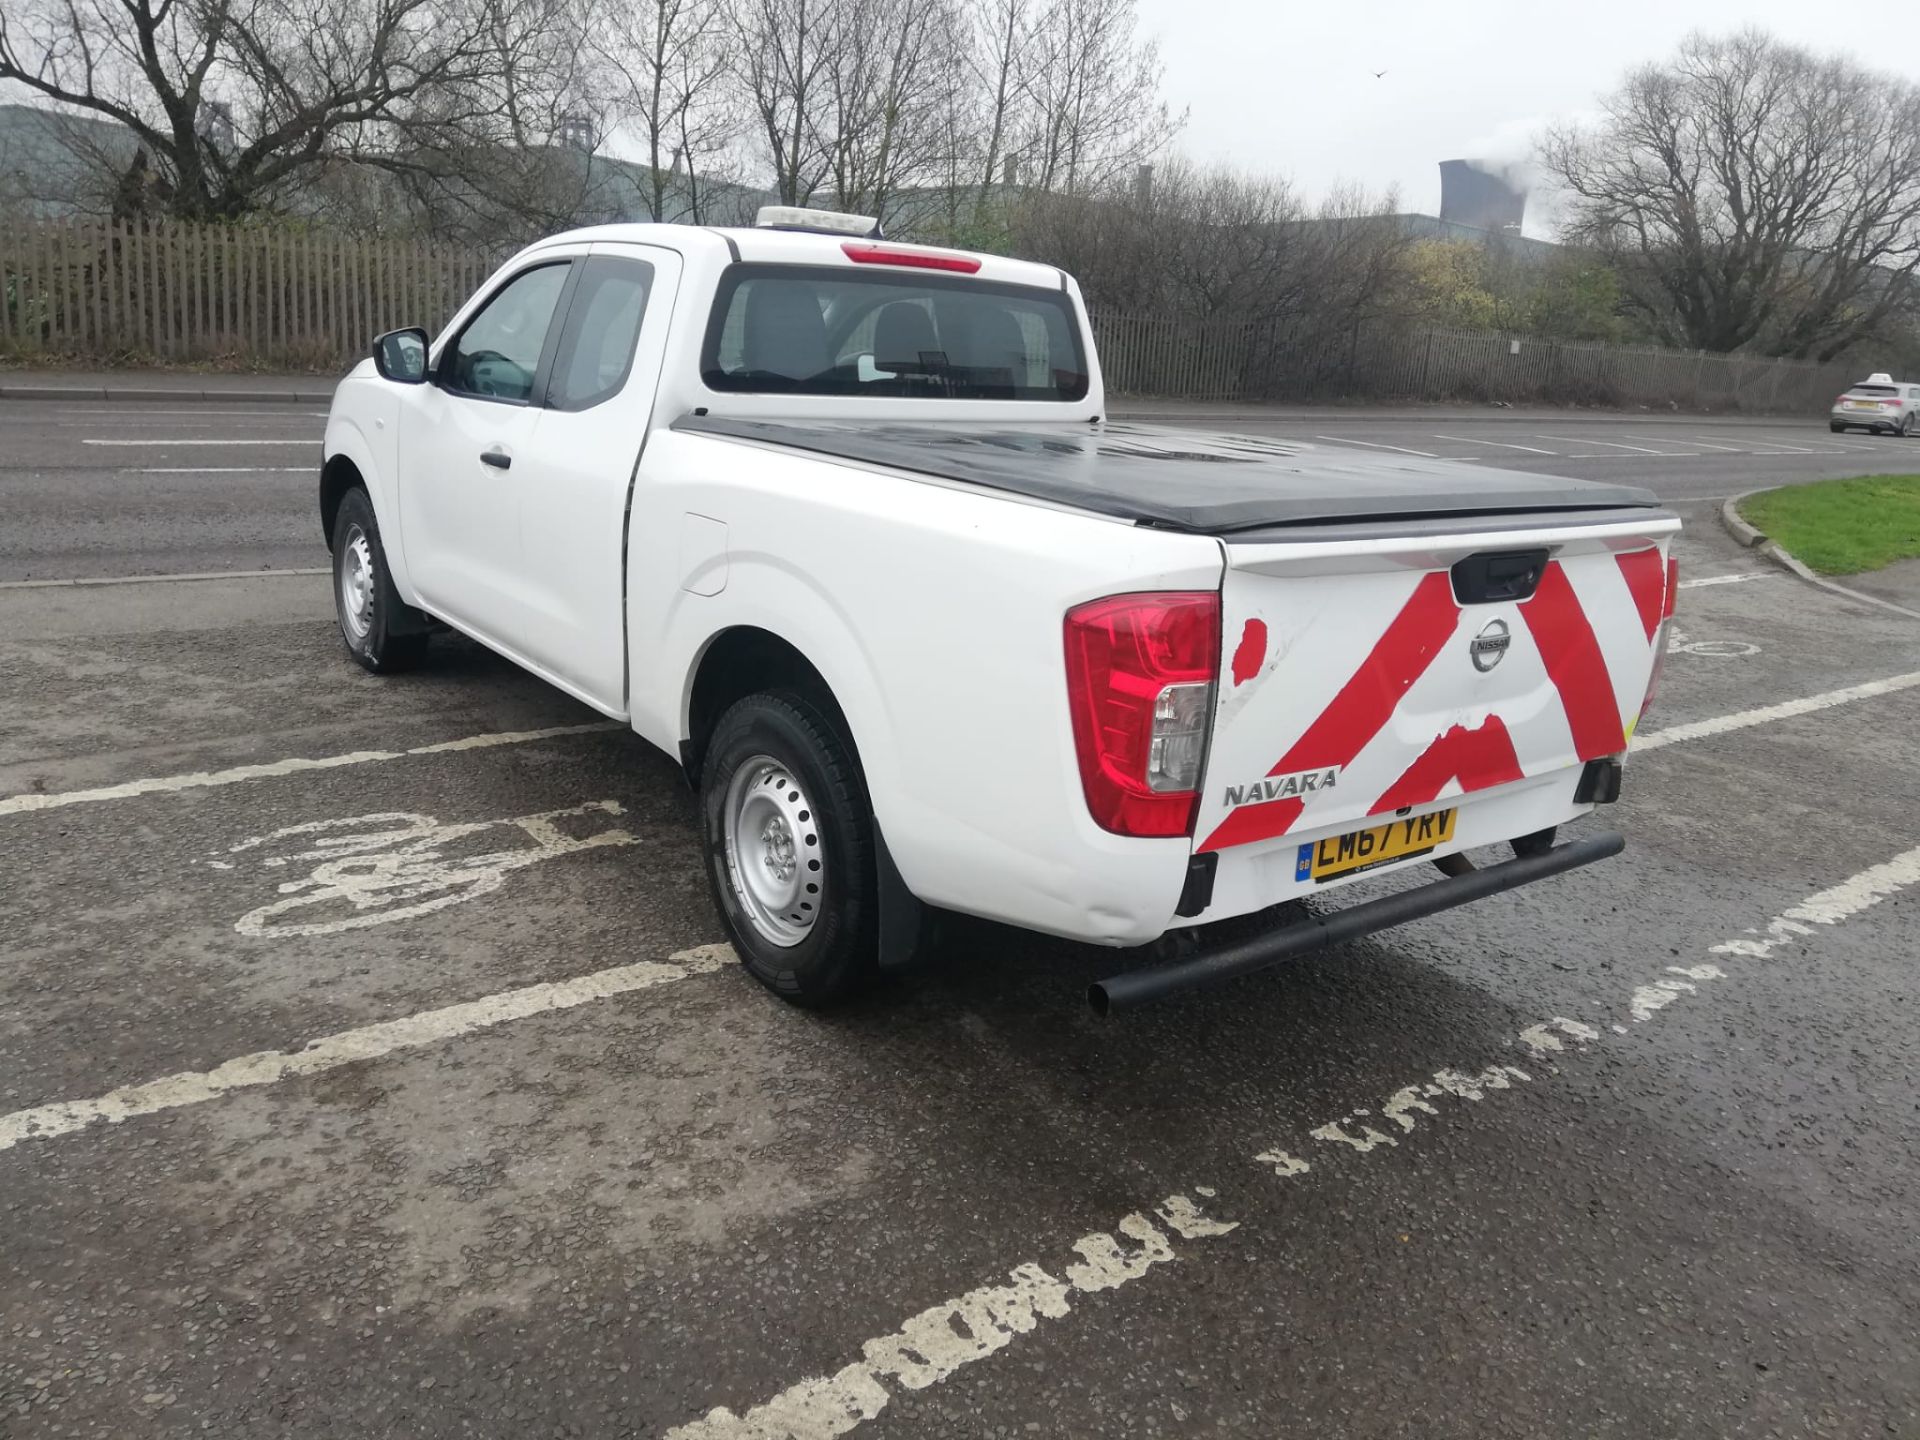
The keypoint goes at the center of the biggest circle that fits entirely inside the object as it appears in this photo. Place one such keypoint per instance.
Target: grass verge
(1843, 527)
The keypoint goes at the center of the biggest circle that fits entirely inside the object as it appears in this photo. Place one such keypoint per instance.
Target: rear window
(810, 330)
(1874, 390)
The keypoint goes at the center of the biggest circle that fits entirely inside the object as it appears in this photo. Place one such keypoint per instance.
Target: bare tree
(235, 103)
(889, 83)
(668, 65)
(784, 51)
(1217, 244)
(1091, 88)
(999, 41)
(1752, 195)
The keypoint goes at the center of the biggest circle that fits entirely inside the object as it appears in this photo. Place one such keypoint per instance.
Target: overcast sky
(1288, 86)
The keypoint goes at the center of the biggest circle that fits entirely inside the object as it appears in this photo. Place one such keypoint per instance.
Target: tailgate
(1363, 678)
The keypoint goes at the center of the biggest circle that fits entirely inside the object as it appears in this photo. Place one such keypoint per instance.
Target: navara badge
(1490, 645)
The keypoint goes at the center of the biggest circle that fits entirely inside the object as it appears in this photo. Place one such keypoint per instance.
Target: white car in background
(1878, 403)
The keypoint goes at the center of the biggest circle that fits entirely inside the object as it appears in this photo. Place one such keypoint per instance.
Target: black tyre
(1525, 847)
(789, 842)
(1835, 426)
(1905, 428)
(369, 609)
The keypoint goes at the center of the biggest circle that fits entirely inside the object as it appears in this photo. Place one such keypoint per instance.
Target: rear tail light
(1140, 677)
(1660, 636)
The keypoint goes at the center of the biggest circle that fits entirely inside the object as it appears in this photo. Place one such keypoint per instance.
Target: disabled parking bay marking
(397, 864)
(268, 1067)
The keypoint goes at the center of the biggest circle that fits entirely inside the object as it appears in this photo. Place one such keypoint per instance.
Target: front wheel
(364, 600)
(789, 844)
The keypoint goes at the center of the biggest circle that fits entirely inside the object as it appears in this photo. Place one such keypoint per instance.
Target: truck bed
(1190, 481)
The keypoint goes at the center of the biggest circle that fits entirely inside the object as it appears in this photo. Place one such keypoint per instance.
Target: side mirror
(401, 355)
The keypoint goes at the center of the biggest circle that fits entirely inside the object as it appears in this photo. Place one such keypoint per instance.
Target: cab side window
(497, 355)
(602, 327)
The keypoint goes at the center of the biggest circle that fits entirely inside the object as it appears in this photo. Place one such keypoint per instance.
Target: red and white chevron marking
(1574, 677)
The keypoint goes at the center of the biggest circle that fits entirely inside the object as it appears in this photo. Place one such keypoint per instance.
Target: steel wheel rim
(776, 865)
(356, 583)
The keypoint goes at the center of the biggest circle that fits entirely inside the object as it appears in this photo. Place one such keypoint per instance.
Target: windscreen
(813, 330)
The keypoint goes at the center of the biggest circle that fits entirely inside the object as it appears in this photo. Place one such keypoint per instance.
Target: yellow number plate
(1364, 849)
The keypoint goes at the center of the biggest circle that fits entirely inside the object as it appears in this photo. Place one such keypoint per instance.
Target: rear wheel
(1525, 847)
(789, 842)
(368, 607)
(1835, 426)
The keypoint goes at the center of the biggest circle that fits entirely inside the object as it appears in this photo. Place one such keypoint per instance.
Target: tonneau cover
(1183, 479)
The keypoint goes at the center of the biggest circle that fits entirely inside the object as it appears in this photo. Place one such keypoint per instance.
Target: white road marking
(1712, 649)
(1400, 1106)
(1700, 581)
(942, 1339)
(157, 579)
(1781, 447)
(1715, 445)
(378, 868)
(185, 441)
(219, 470)
(1541, 1040)
(937, 1342)
(1679, 644)
(205, 779)
(344, 1047)
(1503, 444)
(1662, 993)
(1374, 445)
(1616, 444)
(1765, 714)
(1842, 902)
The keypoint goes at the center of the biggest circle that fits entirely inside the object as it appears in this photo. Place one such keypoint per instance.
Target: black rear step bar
(1243, 957)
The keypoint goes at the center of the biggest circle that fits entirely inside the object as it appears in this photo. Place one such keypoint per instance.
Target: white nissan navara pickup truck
(844, 526)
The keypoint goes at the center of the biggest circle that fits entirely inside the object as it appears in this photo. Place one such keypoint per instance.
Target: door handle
(499, 459)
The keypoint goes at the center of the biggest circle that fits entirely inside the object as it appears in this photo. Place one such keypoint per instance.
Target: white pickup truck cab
(842, 525)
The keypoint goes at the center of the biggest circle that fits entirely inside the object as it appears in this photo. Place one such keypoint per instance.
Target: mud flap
(905, 922)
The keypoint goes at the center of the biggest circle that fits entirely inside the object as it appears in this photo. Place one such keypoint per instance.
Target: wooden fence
(271, 297)
(264, 296)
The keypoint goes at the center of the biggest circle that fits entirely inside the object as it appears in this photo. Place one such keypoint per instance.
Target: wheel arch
(360, 454)
(742, 660)
(337, 477)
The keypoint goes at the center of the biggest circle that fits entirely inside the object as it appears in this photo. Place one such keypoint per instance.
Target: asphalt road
(368, 1066)
(101, 489)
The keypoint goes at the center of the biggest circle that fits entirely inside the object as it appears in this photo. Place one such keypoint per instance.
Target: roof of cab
(800, 247)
